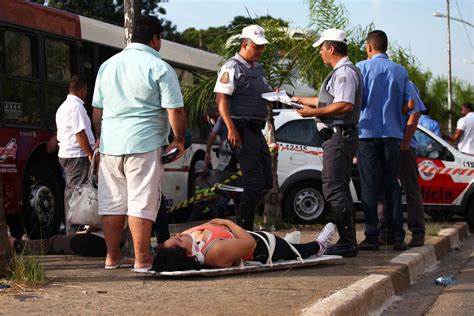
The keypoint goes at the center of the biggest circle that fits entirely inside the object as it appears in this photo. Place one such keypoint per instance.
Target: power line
(464, 25)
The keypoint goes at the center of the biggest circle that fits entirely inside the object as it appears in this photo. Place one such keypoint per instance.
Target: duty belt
(345, 130)
(250, 123)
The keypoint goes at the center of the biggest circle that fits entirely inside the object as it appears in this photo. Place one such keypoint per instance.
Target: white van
(446, 175)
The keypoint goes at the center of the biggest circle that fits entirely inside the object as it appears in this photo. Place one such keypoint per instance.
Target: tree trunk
(5, 252)
(273, 199)
(132, 11)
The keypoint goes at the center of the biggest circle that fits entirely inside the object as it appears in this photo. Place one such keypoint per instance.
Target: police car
(446, 175)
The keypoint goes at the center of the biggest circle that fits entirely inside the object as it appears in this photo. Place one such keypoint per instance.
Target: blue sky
(410, 23)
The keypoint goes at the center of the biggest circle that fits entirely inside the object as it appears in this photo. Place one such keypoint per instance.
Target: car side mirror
(433, 154)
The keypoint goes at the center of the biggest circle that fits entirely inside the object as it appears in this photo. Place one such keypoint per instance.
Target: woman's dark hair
(174, 259)
(145, 28)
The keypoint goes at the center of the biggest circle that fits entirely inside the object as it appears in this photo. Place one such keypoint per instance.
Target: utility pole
(132, 11)
(450, 90)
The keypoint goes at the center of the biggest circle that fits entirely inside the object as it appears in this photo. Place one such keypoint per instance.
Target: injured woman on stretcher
(221, 243)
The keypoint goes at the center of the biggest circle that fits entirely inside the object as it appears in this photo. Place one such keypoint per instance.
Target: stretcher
(254, 266)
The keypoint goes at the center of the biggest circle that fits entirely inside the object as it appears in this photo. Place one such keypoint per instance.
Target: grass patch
(432, 228)
(27, 270)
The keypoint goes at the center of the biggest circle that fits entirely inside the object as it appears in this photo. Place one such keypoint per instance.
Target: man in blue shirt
(427, 122)
(381, 130)
(137, 98)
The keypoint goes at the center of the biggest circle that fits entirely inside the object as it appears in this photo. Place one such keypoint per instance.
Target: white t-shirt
(71, 118)
(466, 124)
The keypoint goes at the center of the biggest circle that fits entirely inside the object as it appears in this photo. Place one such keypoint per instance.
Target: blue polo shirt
(134, 88)
(413, 94)
(385, 85)
(430, 124)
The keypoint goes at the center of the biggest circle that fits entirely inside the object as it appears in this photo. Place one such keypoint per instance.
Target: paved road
(424, 297)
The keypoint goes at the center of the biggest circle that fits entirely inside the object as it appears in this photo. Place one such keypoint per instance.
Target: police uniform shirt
(229, 74)
(343, 83)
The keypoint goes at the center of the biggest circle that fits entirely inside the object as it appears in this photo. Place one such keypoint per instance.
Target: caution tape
(205, 193)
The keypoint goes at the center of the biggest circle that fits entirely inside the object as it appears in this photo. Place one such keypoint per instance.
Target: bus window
(106, 52)
(58, 56)
(58, 61)
(19, 58)
(21, 89)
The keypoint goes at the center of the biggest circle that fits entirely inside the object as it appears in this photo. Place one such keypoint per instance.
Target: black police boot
(346, 246)
(247, 213)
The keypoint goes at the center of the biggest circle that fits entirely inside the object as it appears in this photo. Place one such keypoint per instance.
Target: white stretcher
(254, 266)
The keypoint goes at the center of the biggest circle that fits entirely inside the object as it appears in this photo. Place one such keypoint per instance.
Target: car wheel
(470, 214)
(43, 202)
(305, 202)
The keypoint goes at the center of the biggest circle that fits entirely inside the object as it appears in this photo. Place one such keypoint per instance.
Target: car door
(439, 175)
(299, 146)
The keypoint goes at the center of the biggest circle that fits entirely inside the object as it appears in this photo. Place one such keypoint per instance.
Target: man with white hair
(240, 84)
(338, 108)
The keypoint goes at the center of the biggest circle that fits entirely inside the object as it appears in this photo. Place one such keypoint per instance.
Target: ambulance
(445, 174)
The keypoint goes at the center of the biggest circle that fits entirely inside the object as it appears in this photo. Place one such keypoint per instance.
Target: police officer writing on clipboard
(338, 108)
(240, 84)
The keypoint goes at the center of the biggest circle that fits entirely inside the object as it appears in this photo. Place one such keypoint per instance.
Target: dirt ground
(81, 286)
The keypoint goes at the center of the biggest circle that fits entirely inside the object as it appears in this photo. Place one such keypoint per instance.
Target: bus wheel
(43, 202)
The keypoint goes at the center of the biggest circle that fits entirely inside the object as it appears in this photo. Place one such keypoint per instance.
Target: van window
(301, 132)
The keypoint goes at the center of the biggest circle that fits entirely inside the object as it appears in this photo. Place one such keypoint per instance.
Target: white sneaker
(325, 237)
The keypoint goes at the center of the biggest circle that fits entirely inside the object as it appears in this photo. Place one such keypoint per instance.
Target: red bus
(40, 48)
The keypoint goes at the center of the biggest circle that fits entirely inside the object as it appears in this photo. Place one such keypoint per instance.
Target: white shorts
(130, 184)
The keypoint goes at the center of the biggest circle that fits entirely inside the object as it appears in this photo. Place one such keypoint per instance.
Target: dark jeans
(374, 156)
(337, 165)
(409, 178)
(75, 173)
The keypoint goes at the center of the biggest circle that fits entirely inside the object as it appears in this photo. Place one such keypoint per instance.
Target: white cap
(334, 35)
(255, 33)
(200, 166)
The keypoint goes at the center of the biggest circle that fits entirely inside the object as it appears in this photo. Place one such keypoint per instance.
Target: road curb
(370, 294)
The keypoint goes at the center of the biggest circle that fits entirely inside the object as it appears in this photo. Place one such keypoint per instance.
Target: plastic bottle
(446, 280)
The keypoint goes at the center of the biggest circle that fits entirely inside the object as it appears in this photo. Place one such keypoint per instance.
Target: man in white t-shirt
(75, 138)
(464, 134)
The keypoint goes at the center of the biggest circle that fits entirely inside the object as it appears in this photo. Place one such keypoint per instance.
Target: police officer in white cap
(240, 84)
(338, 107)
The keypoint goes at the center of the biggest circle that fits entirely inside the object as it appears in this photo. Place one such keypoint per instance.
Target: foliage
(326, 14)
(214, 39)
(276, 61)
(27, 270)
(111, 11)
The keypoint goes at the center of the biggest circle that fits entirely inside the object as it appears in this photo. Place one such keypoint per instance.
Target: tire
(305, 202)
(470, 214)
(43, 201)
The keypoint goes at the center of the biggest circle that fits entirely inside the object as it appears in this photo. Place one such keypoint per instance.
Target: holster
(325, 133)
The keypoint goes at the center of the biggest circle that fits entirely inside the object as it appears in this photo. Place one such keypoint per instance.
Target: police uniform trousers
(337, 164)
(255, 163)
